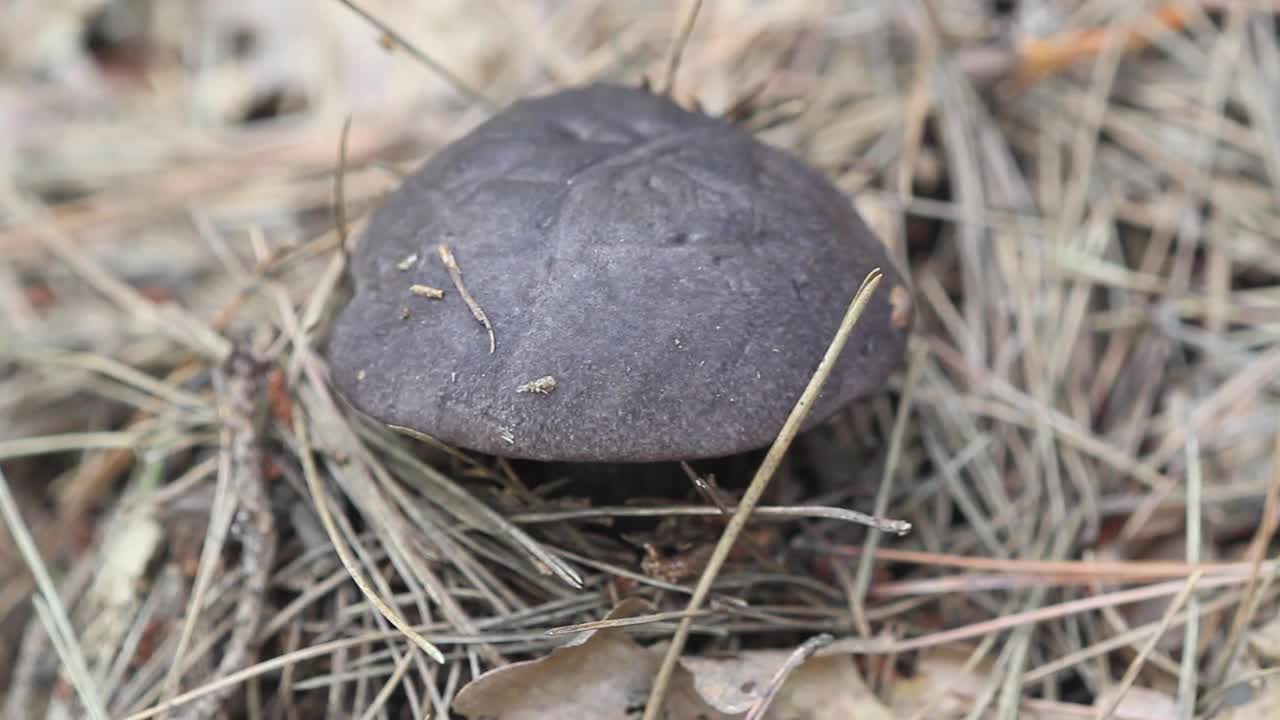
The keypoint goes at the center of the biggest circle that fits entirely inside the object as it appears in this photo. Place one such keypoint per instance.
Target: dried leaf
(731, 684)
(941, 683)
(601, 674)
(827, 688)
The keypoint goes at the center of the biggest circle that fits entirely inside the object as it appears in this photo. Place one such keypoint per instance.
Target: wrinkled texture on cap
(677, 278)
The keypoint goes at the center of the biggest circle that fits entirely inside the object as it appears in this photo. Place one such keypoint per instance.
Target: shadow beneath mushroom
(624, 483)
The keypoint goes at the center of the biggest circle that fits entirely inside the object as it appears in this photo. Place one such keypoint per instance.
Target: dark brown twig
(240, 381)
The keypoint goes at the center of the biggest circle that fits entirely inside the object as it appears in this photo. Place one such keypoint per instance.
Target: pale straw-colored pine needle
(779, 513)
(455, 275)
(1263, 536)
(50, 608)
(321, 501)
(675, 51)
(862, 577)
(657, 697)
(1131, 673)
(220, 514)
(384, 693)
(1187, 680)
(1126, 639)
(340, 193)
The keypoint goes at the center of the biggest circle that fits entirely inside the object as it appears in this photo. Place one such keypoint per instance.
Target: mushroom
(624, 281)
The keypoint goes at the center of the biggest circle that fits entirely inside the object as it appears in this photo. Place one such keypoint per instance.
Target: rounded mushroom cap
(676, 279)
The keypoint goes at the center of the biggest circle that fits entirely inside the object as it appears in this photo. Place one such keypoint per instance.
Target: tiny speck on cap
(544, 385)
(426, 291)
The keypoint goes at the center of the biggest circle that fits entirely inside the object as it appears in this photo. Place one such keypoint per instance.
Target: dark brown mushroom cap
(678, 279)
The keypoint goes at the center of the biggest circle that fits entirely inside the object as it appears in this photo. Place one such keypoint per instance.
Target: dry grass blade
(889, 525)
(455, 275)
(629, 621)
(757, 487)
(387, 688)
(1187, 680)
(1266, 532)
(52, 612)
(1131, 674)
(340, 194)
(321, 500)
(220, 514)
(862, 577)
(679, 39)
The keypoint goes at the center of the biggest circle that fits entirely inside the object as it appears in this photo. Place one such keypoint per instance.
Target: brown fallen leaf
(733, 683)
(599, 675)
(939, 685)
(606, 675)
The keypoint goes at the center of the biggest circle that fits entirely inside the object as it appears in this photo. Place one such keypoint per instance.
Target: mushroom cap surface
(678, 279)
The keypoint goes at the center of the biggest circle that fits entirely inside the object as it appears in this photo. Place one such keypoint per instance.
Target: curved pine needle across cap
(676, 276)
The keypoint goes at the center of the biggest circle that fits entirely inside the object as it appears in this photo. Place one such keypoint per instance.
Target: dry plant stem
(919, 101)
(657, 696)
(340, 194)
(224, 503)
(1125, 639)
(241, 385)
(627, 621)
(320, 498)
(1187, 680)
(1133, 570)
(479, 515)
(862, 578)
(262, 668)
(1058, 538)
(431, 64)
(53, 613)
(770, 512)
(1266, 532)
(1005, 622)
(455, 274)
(388, 687)
(1131, 674)
(678, 42)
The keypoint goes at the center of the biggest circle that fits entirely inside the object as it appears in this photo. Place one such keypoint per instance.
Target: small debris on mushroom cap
(426, 291)
(544, 385)
(678, 278)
